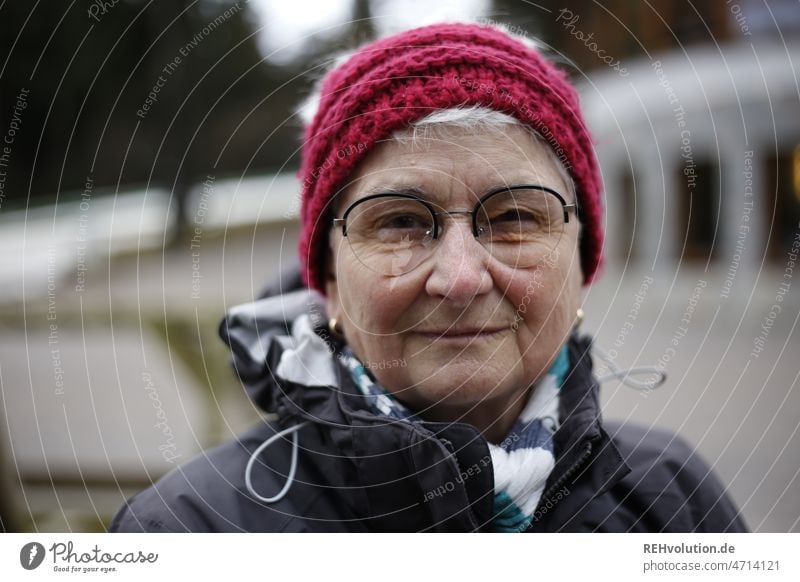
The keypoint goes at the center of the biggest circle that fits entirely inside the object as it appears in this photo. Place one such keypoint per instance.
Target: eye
(401, 226)
(516, 215)
(512, 215)
(404, 221)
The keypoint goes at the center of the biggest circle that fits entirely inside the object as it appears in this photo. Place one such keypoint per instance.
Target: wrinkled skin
(525, 314)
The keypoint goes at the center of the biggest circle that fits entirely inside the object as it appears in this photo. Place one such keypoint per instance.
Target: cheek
(544, 303)
(374, 304)
(543, 298)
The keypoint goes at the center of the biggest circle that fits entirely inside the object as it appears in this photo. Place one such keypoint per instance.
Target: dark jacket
(357, 471)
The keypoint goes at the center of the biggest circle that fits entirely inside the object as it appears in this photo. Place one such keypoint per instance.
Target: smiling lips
(463, 333)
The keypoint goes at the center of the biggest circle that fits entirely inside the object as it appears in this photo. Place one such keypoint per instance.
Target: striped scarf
(522, 462)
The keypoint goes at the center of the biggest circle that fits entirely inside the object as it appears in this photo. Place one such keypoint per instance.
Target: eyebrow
(418, 191)
(424, 194)
(421, 192)
(412, 190)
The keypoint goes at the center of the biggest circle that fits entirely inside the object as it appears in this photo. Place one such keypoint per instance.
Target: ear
(332, 297)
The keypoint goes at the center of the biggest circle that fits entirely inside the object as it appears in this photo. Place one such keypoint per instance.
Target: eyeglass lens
(392, 234)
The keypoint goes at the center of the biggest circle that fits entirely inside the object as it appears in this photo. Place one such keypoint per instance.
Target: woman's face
(462, 328)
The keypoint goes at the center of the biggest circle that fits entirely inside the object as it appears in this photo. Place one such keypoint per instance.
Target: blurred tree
(134, 92)
(88, 69)
(7, 522)
(362, 27)
(626, 30)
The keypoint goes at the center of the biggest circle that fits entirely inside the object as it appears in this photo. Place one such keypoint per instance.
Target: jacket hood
(352, 470)
(382, 469)
(273, 342)
(286, 359)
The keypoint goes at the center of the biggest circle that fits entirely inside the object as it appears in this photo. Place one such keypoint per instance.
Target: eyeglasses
(394, 233)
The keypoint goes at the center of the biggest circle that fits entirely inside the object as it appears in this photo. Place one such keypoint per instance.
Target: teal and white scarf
(522, 462)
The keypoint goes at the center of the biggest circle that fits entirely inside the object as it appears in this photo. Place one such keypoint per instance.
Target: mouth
(462, 335)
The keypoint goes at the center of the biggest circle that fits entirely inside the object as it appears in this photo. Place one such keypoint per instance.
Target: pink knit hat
(392, 82)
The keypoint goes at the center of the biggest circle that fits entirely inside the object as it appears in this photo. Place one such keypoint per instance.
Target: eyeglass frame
(567, 208)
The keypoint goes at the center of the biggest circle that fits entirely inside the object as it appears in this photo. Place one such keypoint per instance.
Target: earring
(335, 327)
(579, 317)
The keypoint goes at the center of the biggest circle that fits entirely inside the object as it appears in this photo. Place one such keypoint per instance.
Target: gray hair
(440, 125)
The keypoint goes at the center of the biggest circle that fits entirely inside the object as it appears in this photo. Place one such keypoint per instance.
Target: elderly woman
(426, 372)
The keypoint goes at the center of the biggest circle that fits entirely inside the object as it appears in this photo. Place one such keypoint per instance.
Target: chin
(465, 383)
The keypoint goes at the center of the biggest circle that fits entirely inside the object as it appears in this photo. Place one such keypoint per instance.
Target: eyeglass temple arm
(337, 222)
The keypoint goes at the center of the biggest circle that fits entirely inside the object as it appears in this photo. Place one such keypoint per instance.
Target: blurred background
(147, 184)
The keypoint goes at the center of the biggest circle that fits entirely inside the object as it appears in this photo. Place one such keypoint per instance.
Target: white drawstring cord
(624, 376)
(292, 468)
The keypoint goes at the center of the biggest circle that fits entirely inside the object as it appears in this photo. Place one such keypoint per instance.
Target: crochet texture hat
(388, 84)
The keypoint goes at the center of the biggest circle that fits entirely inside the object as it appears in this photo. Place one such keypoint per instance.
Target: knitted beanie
(390, 83)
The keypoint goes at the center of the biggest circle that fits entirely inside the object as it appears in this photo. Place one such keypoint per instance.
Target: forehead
(455, 167)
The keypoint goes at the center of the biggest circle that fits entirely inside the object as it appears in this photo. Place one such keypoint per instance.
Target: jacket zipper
(447, 444)
(554, 488)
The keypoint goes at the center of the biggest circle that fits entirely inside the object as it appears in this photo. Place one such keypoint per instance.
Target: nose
(459, 269)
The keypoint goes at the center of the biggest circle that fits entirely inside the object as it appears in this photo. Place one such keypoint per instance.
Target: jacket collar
(396, 475)
(584, 451)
